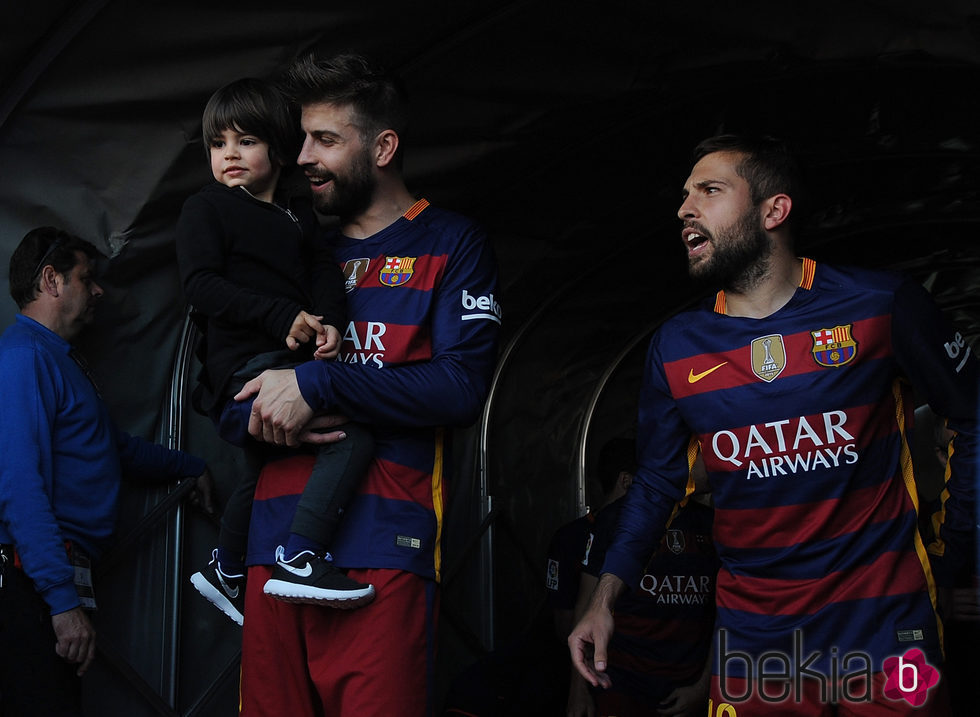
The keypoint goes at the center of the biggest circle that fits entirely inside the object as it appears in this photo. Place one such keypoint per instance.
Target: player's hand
(279, 411)
(305, 327)
(327, 343)
(76, 638)
(683, 701)
(202, 496)
(317, 431)
(588, 643)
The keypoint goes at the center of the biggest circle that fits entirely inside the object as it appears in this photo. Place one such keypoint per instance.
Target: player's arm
(27, 417)
(152, 462)
(447, 389)
(580, 701)
(589, 641)
(661, 479)
(943, 369)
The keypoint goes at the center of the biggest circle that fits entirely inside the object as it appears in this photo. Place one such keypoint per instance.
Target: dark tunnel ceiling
(567, 131)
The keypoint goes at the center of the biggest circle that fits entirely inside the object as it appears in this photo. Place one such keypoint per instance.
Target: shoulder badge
(354, 269)
(768, 357)
(675, 541)
(397, 270)
(834, 347)
(551, 580)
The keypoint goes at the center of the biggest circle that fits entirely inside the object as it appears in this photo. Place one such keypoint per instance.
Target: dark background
(566, 129)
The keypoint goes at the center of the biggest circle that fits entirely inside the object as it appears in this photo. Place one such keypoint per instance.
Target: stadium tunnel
(566, 130)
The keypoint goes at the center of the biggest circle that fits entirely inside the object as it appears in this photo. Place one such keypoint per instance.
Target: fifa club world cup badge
(675, 541)
(768, 357)
(354, 270)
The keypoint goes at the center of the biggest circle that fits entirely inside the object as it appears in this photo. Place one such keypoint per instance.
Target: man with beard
(417, 357)
(793, 380)
(61, 462)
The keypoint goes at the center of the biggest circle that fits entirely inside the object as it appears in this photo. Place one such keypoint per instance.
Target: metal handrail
(174, 439)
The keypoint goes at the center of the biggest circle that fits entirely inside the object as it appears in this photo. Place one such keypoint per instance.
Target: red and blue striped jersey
(803, 420)
(664, 622)
(417, 356)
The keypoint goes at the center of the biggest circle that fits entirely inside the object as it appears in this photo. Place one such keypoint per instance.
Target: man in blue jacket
(61, 461)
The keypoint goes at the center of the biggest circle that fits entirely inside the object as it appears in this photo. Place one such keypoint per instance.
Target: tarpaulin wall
(566, 130)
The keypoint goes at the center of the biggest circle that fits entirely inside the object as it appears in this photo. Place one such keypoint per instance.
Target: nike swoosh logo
(298, 572)
(228, 591)
(695, 377)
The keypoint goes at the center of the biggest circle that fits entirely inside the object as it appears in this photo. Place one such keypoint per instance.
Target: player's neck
(390, 202)
(771, 292)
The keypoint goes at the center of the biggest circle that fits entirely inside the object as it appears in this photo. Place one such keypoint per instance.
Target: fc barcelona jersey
(803, 420)
(417, 356)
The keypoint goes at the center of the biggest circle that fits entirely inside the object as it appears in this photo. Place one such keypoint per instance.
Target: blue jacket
(61, 459)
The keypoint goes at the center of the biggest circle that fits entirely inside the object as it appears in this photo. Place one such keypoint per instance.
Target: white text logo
(792, 445)
(484, 307)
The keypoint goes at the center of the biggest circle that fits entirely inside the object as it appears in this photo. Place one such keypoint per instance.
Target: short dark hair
(768, 164)
(616, 456)
(253, 106)
(376, 96)
(38, 248)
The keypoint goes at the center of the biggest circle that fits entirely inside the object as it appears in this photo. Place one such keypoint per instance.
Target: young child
(269, 291)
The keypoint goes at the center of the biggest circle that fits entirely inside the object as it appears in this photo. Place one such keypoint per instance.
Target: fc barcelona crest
(834, 347)
(353, 271)
(768, 357)
(397, 270)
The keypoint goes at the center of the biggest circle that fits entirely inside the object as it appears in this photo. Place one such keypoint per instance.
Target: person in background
(61, 462)
(659, 651)
(568, 550)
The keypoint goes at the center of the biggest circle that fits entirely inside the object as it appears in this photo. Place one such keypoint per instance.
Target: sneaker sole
(306, 595)
(217, 598)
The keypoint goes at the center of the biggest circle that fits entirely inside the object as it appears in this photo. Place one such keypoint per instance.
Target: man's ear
(777, 209)
(50, 281)
(385, 147)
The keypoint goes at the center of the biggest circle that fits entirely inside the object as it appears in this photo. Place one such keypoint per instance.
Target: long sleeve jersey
(803, 421)
(250, 267)
(665, 621)
(62, 458)
(418, 355)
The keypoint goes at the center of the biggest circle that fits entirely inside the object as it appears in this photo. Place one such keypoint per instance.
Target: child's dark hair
(253, 106)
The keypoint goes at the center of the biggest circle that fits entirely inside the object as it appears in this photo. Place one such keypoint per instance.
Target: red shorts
(813, 704)
(309, 661)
